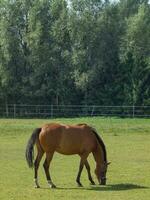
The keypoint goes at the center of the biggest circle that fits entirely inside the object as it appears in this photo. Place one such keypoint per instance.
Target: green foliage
(75, 52)
(136, 47)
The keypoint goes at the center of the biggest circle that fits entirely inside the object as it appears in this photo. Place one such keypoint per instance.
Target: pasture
(128, 148)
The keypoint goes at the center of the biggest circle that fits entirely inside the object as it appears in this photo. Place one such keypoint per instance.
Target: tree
(13, 49)
(136, 50)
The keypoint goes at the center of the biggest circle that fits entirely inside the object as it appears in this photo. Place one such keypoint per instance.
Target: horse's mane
(101, 143)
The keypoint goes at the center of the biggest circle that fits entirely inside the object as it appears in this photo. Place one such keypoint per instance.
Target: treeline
(75, 52)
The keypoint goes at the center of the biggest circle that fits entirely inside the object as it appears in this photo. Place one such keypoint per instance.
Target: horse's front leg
(82, 163)
(46, 166)
(89, 172)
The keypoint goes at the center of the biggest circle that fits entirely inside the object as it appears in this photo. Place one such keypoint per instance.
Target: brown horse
(78, 139)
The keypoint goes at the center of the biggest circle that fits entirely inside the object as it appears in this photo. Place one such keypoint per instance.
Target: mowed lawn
(128, 149)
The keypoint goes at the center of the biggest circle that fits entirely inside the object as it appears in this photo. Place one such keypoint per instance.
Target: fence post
(14, 110)
(51, 111)
(7, 112)
(92, 111)
(133, 111)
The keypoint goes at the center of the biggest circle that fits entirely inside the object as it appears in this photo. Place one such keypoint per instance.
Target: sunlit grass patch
(127, 142)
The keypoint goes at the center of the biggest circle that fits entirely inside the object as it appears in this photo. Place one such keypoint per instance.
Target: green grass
(128, 148)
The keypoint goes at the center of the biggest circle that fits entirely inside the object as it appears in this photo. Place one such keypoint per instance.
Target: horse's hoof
(53, 186)
(92, 183)
(80, 185)
(36, 186)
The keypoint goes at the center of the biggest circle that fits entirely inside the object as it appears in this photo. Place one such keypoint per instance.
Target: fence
(53, 111)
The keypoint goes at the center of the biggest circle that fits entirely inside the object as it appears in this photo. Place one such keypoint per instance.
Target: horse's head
(101, 173)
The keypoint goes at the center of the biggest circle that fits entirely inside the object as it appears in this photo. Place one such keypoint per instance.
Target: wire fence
(54, 111)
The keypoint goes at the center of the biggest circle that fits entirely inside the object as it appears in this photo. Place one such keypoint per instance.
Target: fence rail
(53, 111)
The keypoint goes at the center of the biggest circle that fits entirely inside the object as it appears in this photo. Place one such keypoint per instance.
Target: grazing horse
(78, 139)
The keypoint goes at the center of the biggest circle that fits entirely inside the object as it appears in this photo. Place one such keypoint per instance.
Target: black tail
(30, 147)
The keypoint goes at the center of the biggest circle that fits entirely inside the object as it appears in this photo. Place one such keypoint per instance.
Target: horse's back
(67, 139)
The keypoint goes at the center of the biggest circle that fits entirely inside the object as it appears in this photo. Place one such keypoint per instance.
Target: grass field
(128, 148)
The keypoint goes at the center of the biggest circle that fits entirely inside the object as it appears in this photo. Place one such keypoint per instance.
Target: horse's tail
(30, 147)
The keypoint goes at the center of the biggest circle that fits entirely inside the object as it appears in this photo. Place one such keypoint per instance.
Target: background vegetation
(127, 142)
(75, 52)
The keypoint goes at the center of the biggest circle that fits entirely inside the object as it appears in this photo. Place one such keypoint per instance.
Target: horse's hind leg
(46, 165)
(89, 172)
(36, 166)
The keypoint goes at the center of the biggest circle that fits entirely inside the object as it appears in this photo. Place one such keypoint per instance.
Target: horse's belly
(67, 152)
(68, 149)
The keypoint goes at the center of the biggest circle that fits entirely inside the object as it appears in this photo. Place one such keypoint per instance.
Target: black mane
(101, 143)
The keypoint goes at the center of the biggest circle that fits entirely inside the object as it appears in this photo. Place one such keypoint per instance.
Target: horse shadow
(118, 187)
(115, 187)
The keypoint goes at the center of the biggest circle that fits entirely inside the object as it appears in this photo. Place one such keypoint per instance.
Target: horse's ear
(108, 163)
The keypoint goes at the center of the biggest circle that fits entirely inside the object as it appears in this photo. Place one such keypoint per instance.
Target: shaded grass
(127, 142)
